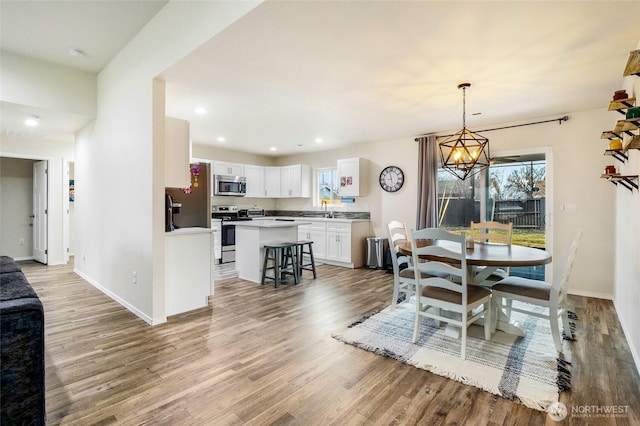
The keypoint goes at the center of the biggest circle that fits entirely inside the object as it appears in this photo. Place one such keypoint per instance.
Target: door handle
(32, 216)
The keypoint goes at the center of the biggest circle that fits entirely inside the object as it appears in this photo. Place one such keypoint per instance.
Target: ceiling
(288, 73)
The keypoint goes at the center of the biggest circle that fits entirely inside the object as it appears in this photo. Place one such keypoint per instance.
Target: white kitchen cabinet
(295, 181)
(345, 243)
(177, 153)
(255, 181)
(352, 177)
(316, 232)
(272, 181)
(339, 242)
(229, 169)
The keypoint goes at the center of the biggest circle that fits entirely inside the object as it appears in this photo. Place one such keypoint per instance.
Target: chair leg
(418, 322)
(463, 339)
(264, 265)
(488, 321)
(313, 261)
(507, 311)
(555, 329)
(278, 260)
(394, 298)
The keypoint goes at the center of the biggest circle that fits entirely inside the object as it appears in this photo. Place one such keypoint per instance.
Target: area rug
(526, 369)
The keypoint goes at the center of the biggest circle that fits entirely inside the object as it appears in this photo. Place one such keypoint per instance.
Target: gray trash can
(376, 249)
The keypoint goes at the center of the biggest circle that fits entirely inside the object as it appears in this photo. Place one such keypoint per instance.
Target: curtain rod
(559, 120)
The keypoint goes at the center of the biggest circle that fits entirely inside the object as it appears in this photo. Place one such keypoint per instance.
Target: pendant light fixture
(465, 152)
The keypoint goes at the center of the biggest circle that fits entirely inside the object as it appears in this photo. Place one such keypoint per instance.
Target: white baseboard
(129, 307)
(590, 294)
(17, 259)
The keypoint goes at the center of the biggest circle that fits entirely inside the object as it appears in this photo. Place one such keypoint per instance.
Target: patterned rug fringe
(572, 325)
(564, 375)
(364, 318)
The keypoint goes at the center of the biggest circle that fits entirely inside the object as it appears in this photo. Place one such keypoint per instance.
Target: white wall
(627, 248)
(57, 153)
(119, 158)
(577, 165)
(37, 83)
(16, 207)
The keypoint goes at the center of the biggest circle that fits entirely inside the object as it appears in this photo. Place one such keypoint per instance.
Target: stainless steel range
(228, 233)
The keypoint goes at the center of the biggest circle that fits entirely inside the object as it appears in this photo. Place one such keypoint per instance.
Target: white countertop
(266, 223)
(314, 219)
(187, 231)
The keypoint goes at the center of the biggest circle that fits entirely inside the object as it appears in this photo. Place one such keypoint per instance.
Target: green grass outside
(522, 237)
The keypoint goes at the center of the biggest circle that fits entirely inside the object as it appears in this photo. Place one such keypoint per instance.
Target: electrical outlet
(21, 241)
(134, 277)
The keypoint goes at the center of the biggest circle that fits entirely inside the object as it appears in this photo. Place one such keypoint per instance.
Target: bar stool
(311, 266)
(284, 257)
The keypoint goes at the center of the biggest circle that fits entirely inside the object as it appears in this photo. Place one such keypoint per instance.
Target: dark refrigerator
(196, 203)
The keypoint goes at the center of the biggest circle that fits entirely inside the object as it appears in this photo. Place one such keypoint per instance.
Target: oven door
(228, 235)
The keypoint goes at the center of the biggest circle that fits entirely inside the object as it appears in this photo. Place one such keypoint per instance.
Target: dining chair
(534, 292)
(450, 290)
(495, 233)
(403, 274)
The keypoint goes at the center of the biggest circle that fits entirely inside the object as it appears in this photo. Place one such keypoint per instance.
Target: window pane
(515, 193)
(328, 187)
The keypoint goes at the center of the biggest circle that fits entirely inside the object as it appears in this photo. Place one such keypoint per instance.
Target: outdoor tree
(524, 182)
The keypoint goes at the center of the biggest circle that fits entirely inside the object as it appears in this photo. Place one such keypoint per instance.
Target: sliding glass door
(513, 189)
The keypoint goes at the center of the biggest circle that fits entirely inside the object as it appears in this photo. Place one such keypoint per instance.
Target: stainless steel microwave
(229, 185)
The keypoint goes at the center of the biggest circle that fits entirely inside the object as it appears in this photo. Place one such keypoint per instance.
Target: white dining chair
(450, 291)
(494, 233)
(403, 274)
(550, 295)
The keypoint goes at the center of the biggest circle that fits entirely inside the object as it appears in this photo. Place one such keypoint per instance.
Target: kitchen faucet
(324, 208)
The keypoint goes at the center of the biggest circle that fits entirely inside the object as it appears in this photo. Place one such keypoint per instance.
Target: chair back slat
(397, 232)
(491, 232)
(445, 245)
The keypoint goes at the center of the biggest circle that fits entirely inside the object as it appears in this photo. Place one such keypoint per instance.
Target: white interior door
(40, 210)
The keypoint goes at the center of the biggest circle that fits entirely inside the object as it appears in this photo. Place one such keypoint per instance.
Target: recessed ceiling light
(273, 148)
(32, 121)
(220, 139)
(75, 52)
(200, 111)
(319, 140)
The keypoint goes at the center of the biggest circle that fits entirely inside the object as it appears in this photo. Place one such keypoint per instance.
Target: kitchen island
(251, 237)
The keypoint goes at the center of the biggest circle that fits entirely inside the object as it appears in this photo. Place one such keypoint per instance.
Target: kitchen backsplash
(316, 213)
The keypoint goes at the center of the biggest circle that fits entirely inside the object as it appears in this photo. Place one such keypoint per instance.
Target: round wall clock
(391, 178)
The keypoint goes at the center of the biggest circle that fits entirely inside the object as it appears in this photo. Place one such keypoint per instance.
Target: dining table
(485, 258)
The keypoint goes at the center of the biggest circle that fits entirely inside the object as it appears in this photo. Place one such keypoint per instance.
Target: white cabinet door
(295, 181)
(315, 232)
(272, 181)
(255, 181)
(229, 169)
(350, 173)
(177, 153)
(339, 242)
(286, 180)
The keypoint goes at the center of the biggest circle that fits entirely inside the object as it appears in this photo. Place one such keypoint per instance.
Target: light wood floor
(260, 355)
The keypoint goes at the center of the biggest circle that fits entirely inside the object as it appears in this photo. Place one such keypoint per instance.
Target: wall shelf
(633, 64)
(618, 154)
(621, 105)
(628, 181)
